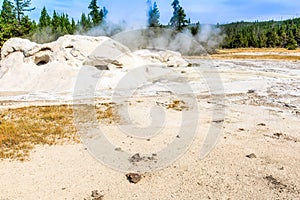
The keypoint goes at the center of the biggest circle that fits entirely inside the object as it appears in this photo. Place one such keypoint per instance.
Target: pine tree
(55, 20)
(283, 36)
(178, 20)
(195, 29)
(175, 18)
(252, 40)
(153, 15)
(8, 22)
(73, 26)
(262, 39)
(8, 13)
(183, 22)
(103, 13)
(297, 36)
(26, 26)
(291, 42)
(21, 7)
(84, 23)
(97, 15)
(272, 38)
(45, 19)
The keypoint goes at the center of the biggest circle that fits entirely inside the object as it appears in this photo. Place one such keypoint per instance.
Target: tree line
(270, 34)
(14, 22)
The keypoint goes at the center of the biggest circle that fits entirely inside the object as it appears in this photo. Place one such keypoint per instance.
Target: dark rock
(96, 195)
(102, 67)
(251, 91)
(278, 135)
(118, 149)
(136, 158)
(261, 124)
(133, 177)
(252, 155)
(218, 121)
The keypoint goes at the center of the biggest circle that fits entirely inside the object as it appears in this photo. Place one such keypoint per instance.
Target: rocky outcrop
(28, 66)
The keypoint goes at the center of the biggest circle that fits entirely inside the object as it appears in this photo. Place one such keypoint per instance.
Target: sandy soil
(256, 157)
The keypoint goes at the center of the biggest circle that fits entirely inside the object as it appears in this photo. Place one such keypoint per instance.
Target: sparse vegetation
(22, 129)
(254, 53)
(177, 105)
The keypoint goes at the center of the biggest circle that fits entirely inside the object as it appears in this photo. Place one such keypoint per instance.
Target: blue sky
(205, 11)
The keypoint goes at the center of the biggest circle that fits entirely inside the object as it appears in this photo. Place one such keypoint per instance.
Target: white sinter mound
(53, 67)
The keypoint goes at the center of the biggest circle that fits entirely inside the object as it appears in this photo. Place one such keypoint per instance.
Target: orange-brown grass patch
(21, 129)
(253, 50)
(177, 105)
(268, 54)
(257, 57)
(107, 113)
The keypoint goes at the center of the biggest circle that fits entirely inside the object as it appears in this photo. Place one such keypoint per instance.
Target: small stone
(136, 158)
(102, 67)
(261, 124)
(252, 155)
(118, 149)
(133, 177)
(278, 135)
(218, 121)
(95, 193)
(251, 91)
(241, 129)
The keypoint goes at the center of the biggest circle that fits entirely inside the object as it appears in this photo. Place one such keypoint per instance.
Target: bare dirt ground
(256, 157)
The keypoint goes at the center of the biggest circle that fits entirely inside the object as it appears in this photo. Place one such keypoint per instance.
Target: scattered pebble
(118, 149)
(135, 158)
(133, 177)
(252, 155)
(261, 124)
(218, 121)
(96, 195)
(289, 106)
(278, 135)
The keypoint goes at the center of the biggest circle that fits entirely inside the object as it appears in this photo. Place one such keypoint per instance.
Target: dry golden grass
(243, 50)
(106, 113)
(257, 57)
(177, 105)
(274, 54)
(23, 128)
